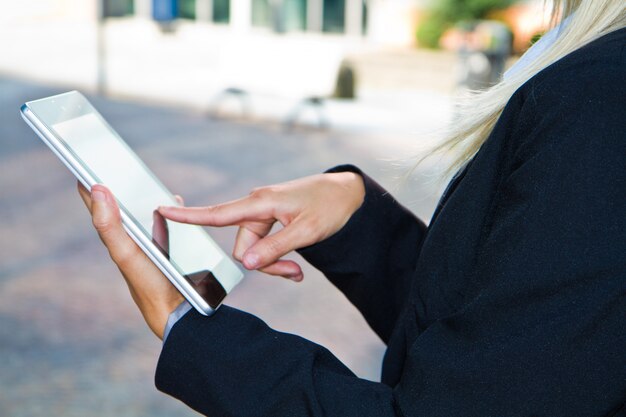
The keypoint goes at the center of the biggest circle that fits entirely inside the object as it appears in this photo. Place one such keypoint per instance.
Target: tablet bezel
(70, 105)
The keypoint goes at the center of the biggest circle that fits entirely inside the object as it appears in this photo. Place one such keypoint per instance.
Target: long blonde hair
(478, 113)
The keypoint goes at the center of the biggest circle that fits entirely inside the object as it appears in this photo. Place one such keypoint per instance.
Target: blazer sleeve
(233, 364)
(372, 258)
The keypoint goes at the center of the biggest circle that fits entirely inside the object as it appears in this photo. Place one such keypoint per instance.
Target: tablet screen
(102, 152)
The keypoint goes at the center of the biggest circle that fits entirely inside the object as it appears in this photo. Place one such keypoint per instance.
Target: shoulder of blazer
(597, 62)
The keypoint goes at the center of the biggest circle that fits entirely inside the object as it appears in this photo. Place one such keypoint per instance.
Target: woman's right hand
(310, 210)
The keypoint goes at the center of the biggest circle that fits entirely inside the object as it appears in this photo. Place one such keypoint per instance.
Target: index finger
(226, 214)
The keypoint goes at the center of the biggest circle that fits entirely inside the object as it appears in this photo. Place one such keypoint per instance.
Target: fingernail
(98, 195)
(296, 278)
(251, 260)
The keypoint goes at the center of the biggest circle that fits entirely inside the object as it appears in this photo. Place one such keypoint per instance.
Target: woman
(512, 302)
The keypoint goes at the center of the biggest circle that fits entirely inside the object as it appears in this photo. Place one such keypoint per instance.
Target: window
(287, 15)
(118, 8)
(294, 15)
(221, 11)
(334, 17)
(261, 13)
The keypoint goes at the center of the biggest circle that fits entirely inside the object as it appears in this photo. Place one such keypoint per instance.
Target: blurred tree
(187, 9)
(446, 13)
(535, 38)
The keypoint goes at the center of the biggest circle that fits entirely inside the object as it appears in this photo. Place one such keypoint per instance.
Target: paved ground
(71, 341)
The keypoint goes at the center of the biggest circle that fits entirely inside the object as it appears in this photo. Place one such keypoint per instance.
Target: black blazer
(512, 302)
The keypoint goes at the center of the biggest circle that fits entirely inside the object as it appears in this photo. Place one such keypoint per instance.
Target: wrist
(156, 314)
(353, 188)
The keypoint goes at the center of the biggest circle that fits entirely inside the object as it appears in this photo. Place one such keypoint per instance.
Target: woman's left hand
(155, 296)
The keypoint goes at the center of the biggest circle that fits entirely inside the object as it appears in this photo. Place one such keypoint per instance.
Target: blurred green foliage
(446, 13)
(535, 38)
(187, 9)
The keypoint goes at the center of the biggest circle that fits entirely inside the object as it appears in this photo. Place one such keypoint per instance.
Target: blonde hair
(479, 112)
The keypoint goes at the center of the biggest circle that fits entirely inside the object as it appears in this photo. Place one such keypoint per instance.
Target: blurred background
(218, 97)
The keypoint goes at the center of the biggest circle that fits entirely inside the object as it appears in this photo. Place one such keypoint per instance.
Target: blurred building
(189, 51)
(387, 21)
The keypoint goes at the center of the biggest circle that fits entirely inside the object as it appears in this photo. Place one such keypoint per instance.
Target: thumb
(108, 223)
(101, 211)
(271, 248)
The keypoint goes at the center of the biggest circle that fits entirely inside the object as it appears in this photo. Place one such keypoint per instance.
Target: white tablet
(96, 154)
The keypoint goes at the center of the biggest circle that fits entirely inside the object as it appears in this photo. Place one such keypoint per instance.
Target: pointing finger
(227, 214)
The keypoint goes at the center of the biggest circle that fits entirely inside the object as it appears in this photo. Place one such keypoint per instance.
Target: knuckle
(263, 192)
(257, 193)
(216, 212)
(124, 255)
(209, 210)
(310, 228)
(101, 225)
(273, 246)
